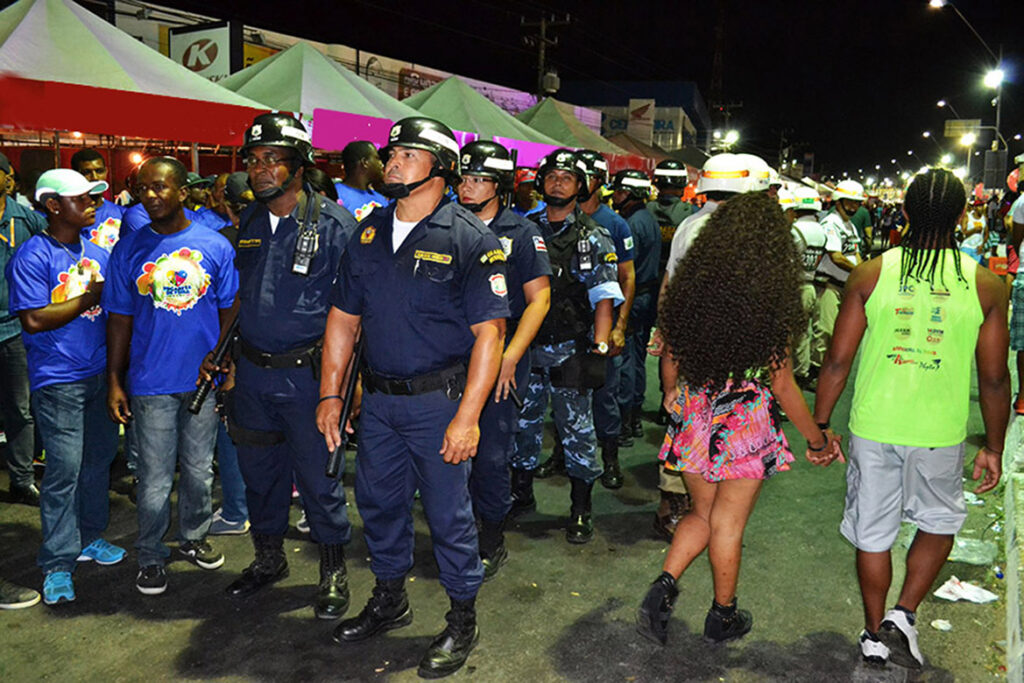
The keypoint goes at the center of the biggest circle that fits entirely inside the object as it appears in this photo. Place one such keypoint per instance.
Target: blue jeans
(168, 434)
(14, 406)
(231, 483)
(80, 442)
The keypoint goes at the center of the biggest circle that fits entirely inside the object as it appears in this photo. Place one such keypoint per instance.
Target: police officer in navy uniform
(487, 176)
(424, 281)
(289, 243)
(565, 362)
(669, 209)
(631, 188)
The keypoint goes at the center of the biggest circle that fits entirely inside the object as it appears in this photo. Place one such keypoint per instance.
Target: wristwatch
(601, 347)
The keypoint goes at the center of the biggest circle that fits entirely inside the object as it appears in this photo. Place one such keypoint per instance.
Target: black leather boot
(522, 493)
(493, 553)
(332, 594)
(553, 465)
(581, 524)
(387, 609)
(653, 615)
(268, 567)
(635, 424)
(451, 648)
(612, 476)
(725, 622)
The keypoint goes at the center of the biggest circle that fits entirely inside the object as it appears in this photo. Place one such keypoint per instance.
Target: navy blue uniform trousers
(400, 439)
(284, 400)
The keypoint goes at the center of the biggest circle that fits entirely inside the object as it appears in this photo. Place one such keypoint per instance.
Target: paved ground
(556, 612)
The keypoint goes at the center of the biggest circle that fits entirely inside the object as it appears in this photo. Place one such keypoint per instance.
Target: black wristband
(327, 398)
(823, 425)
(823, 446)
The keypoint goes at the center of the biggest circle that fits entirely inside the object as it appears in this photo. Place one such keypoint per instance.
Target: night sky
(855, 82)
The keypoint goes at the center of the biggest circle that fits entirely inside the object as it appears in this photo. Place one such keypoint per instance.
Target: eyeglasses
(476, 180)
(266, 161)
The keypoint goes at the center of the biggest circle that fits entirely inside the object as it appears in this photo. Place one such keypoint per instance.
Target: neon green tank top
(914, 382)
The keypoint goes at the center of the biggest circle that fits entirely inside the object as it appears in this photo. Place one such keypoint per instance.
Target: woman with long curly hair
(727, 372)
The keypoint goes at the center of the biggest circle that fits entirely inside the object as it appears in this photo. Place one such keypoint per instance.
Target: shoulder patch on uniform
(506, 245)
(433, 256)
(611, 257)
(368, 234)
(498, 285)
(249, 243)
(628, 242)
(493, 256)
(538, 243)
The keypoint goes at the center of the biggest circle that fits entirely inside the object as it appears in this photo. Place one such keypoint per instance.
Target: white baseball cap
(67, 183)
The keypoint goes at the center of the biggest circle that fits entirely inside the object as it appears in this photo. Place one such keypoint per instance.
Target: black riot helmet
(488, 160)
(279, 130)
(670, 173)
(563, 160)
(419, 132)
(597, 166)
(635, 182)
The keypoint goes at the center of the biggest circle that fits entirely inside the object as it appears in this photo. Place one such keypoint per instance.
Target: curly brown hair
(733, 306)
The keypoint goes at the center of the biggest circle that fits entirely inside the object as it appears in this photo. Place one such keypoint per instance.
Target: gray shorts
(887, 484)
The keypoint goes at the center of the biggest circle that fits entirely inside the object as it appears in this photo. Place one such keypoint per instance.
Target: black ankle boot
(449, 651)
(332, 595)
(653, 615)
(725, 622)
(493, 553)
(581, 525)
(553, 465)
(522, 493)
(387, 609)
(635, 424)
(268, 567)
(612, 476)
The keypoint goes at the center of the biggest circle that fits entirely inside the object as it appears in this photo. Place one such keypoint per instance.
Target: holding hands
(827, 450)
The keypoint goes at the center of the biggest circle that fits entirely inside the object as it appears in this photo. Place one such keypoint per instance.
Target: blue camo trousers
(574, 422)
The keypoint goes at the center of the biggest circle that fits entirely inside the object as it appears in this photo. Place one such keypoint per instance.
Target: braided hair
(934, 203)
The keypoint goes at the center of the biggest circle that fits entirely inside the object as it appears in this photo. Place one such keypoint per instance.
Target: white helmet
(787, 200)
(849, 189)
(724, 173)
(760, 173)
(774, 179)
(807, 199)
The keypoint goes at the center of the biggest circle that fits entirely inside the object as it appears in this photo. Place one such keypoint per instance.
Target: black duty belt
(452, 380)
(296, 358)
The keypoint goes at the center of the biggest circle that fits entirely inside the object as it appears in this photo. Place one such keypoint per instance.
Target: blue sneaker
(102, 552)
(57, 586)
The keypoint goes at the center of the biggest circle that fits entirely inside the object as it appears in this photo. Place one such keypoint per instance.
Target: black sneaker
(202, 554)
(152, 580)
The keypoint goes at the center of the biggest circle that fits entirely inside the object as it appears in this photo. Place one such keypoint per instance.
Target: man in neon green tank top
(920, 314)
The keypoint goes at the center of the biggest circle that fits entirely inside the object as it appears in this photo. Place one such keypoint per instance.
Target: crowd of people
(466, 296)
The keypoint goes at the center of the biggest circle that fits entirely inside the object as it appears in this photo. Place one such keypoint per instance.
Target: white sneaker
(901, 636)
(303, 524)
(873, 651)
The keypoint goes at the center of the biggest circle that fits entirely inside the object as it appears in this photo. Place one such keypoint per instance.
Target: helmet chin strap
(557, 202)
(479, 206)
(403, 190)
(276, 191)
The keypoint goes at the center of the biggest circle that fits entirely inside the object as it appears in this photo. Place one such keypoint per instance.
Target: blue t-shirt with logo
(43, 273)
(106, 228)
(359, 202)
(135, 217)
(174, 287)
(618, 228)
(529, 212)
(215, 220)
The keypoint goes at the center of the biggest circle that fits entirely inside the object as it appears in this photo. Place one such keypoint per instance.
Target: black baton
(219, 354)
(334, 461)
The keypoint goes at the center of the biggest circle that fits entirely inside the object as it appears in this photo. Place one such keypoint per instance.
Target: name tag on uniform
(432, 256)
(250, 243)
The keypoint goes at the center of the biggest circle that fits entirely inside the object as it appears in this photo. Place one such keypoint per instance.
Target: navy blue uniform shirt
(280, 310)
(417, 304)
(618, 228)
(525, 253)
(17, 225)
(646, 243)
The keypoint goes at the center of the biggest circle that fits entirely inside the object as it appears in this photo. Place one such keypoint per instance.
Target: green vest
(914, 383)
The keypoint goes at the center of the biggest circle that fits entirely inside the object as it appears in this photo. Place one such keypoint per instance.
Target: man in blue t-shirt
(105, 229)
(55, 280)
(17, 224)
(170, 291)
(363, 172)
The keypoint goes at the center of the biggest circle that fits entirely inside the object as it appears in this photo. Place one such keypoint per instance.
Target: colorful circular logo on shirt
(106, 234)
(73, 283)
(176, 281)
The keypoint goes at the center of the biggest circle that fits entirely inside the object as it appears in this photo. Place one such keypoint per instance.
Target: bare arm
(339, 343)
(54, 316)
(603, 320)
(627, 281)
(993, 378)
(841, 261)
(463, 433)
(538, 302)
(119, 337)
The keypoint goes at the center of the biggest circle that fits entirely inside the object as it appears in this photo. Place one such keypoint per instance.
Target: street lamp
(946, 103)
(946, 159)
(994, 79)
(968, 140)
(732, 137)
